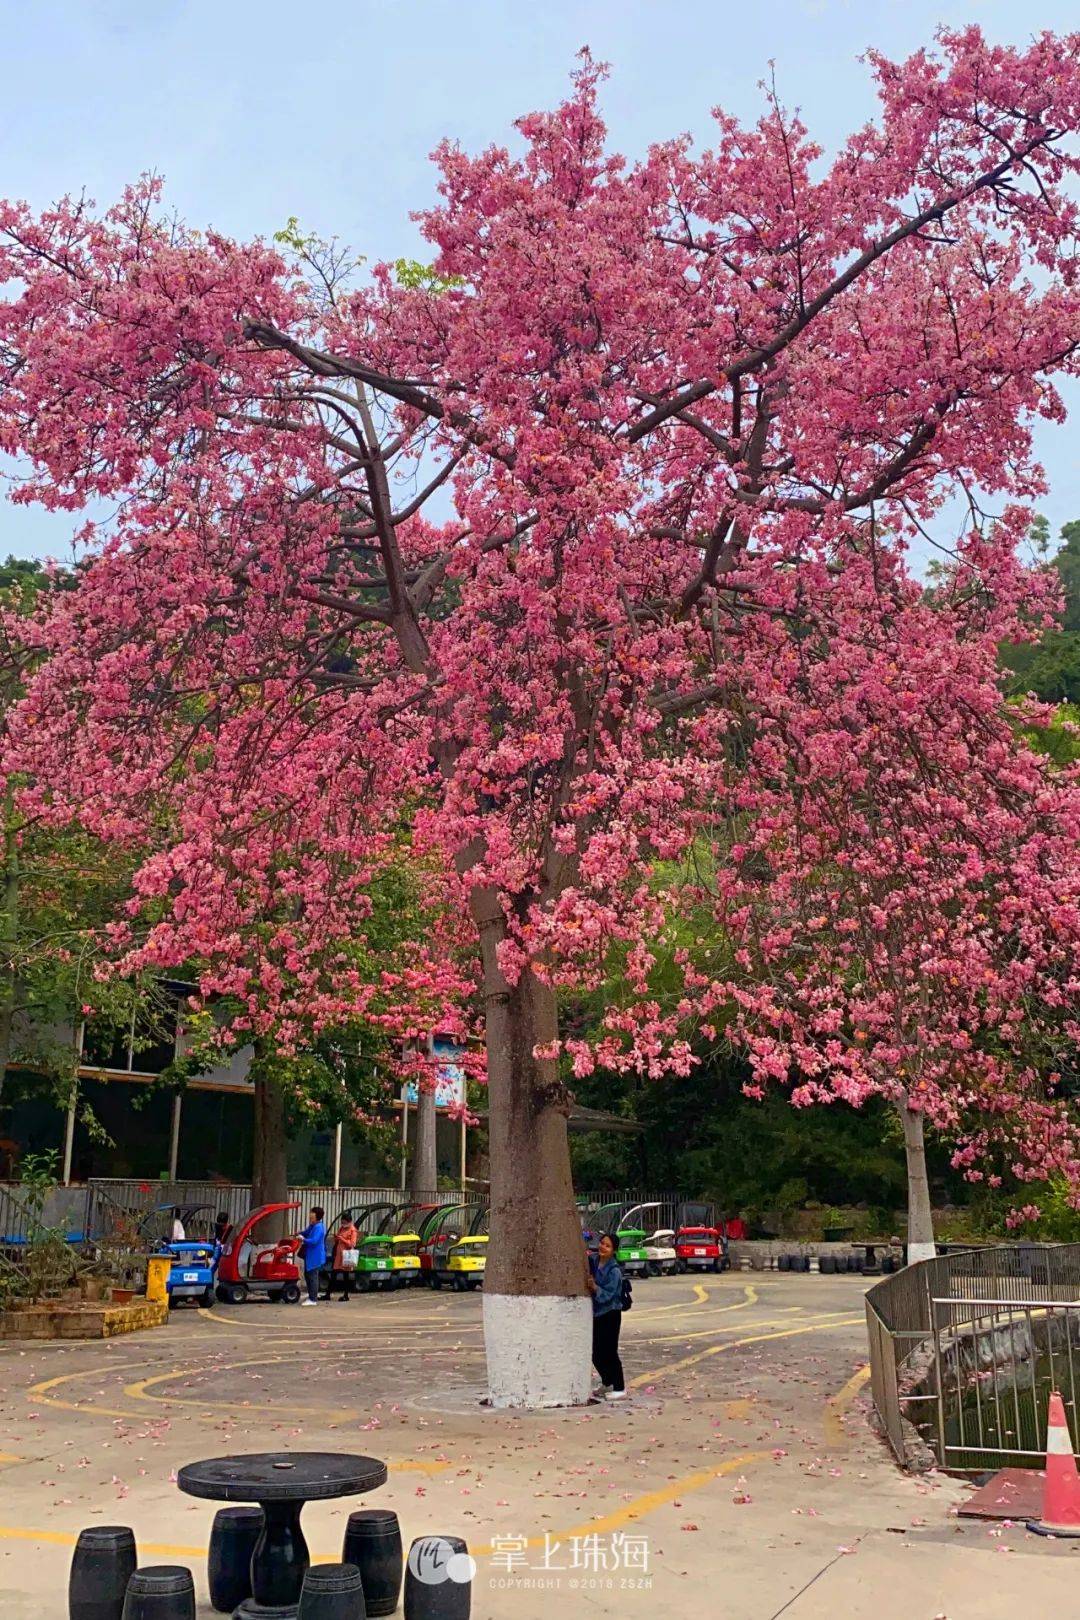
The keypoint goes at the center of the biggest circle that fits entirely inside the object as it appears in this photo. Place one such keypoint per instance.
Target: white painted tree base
(539, 1350)
(921, 1251)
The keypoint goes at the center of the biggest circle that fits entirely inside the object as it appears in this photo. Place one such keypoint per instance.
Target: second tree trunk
(920, 1232)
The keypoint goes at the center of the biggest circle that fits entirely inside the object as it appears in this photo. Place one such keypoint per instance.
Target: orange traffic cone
(1061, 1495)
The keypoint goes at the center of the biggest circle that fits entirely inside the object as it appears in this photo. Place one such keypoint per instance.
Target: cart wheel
(173, 1302)
(221, 1293)
(363, 1285)
(716, 1266)
(274, 1295)
(291, 1293)
(235, 1293)
(680, 1268)
(474, 1284)
(207, 1300)
(652, 1269)
(460, 1284)
(436, 1280)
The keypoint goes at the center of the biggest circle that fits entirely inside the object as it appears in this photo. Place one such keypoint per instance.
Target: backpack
(627, 1295)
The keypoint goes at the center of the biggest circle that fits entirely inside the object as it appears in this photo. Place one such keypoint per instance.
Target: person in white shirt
(177, 1234)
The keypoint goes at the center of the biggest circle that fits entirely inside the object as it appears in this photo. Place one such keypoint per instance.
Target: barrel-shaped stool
(228, 1568)
(103, 1562)
(438, 1579)
(332, 1592)
(373, 1544)
(160, 1592)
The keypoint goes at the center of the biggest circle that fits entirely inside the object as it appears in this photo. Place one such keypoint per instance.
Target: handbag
(350, 1259)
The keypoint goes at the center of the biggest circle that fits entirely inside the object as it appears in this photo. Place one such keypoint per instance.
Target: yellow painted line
(735, 1344)
(823, 1319)
(137, 1391)
(40, 1394)
(642, 1505)
(64, 1538)
(220, 1320)
(837, 1405)
(627, 1514)
(749, 1291)
(701, 1294)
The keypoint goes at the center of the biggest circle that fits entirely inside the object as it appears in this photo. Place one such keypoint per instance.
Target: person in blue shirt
(313, 1249)
(606, 1287)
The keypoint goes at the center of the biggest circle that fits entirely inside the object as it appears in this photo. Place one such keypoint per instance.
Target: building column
(69, 1134)
(337, 1155)
(174, 1135)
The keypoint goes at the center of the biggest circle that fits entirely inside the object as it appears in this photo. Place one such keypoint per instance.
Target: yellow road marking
(627, 1514)
(702, 1293)
(137, 1390)
(641, 1505)
(822, 1319)
(221, 1320)
(837, 1405)
(64, 1538)
(40, 1395)
(735, 1344)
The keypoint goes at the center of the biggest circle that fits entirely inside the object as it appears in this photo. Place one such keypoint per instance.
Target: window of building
(148, 1045)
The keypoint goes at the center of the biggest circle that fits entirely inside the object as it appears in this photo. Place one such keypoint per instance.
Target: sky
(256, 112)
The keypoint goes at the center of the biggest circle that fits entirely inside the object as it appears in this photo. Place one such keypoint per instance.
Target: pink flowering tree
(586, 552)
(335, 969)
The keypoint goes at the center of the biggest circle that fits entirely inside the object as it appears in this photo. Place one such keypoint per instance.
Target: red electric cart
(700, 1244)
(250, 1266)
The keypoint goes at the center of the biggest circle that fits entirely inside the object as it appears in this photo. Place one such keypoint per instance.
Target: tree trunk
(920, 1232)
(269, 1166)
(9, 934)
(424, 1176)
(7, 1021)
(537, 1313)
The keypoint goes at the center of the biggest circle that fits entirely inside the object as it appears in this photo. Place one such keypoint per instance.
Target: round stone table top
(282, 1476)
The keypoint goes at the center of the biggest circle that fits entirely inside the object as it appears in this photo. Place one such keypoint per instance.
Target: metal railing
(113, 1199)
(107, 1208)
(132, 1194)
(14, 1220)
(964, 1350)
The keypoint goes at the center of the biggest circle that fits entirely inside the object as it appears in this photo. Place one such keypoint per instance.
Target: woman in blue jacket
(313, 1250)
(606, 1287)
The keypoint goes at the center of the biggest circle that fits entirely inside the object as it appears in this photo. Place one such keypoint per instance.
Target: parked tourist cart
(192, 1272)
(622, 1220)
(460, 1259)
(700, 1244)
(436, 1228)
(251, 1265)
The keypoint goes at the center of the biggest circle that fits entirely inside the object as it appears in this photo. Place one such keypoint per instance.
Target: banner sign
(449, 1075)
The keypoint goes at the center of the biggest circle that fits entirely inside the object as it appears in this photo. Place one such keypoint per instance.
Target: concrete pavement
(740, 1480)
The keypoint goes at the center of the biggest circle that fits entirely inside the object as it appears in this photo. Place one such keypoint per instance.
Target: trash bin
(157, 1272)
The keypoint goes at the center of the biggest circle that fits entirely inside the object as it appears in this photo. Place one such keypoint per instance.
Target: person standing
(606, 1287)
(345, 1240)
(176, 1231)
(313, 1249)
